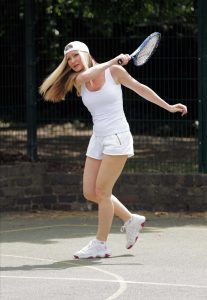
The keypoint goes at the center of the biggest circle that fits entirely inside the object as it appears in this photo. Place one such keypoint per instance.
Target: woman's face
(74, 61)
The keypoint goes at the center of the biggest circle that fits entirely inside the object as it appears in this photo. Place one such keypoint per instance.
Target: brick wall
(31, 186)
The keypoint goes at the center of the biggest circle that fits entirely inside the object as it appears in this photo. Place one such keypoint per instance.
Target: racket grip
(120, 61)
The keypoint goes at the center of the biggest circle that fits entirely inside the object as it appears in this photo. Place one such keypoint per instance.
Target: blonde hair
(62, 80)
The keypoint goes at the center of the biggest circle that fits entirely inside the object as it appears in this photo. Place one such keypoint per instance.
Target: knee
(101, 194)
(89, 195)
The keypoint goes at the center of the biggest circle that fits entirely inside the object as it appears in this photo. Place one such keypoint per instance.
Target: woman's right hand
(122, 59)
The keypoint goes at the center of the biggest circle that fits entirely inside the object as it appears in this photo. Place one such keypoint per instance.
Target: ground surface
(168, 262)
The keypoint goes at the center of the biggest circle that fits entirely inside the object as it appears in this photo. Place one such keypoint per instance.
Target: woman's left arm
(124, 78)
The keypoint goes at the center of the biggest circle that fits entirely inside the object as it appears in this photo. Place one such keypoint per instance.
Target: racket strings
(146, 52)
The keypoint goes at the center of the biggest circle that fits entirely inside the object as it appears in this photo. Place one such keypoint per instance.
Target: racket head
(143, 53)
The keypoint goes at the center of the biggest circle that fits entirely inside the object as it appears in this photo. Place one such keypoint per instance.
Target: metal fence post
(30, 79)
(202, 84)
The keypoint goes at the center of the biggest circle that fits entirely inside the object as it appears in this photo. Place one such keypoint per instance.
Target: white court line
(119, 280)
(202, 228)
(45, 227)
(177, 285)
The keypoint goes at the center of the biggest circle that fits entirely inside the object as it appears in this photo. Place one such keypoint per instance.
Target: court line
(177, 285)
(45, 227)
(120, 280)
(95, 225)
(52, 226)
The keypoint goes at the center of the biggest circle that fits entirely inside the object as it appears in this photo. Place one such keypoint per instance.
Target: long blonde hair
(62, 80)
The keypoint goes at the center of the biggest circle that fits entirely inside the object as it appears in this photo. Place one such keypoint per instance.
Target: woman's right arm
(94, 71)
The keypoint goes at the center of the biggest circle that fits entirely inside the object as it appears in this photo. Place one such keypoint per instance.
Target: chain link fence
(164, 142)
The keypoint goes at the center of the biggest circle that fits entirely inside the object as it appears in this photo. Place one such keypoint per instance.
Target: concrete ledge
(31, 186)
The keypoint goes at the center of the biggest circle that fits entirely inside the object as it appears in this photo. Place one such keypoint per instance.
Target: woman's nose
(72, 59)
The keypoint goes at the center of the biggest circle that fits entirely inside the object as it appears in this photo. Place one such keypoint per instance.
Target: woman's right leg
(89, 185)
(97, 248)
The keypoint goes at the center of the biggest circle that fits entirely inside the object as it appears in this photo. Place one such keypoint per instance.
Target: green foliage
(56, 18)
(104, 19)
(100, 16)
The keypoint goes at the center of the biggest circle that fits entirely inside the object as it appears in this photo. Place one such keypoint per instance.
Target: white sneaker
(92, 250)
(133, 227)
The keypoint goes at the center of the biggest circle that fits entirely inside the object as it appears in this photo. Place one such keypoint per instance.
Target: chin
(77, 69)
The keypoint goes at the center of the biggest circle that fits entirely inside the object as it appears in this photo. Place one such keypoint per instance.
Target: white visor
(76, 46)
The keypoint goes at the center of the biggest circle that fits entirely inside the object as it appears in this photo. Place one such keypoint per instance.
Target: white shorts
(115, 144)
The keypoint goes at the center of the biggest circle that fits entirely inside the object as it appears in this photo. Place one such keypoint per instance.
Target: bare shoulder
(120, 75)
(117, 73)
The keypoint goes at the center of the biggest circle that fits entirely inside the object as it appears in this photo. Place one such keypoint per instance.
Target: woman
(111, 142)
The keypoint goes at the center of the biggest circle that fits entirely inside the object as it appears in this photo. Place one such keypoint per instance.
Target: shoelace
(123, 228)
(88, 246)
(91, 244)
(125, 225)
(130, 233)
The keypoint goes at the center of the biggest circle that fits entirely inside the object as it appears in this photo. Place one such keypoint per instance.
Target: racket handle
(120, 61)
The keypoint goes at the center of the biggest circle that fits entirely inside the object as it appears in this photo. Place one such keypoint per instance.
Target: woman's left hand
(179, 108)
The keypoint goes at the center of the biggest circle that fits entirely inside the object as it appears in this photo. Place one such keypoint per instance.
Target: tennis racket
(143, 53)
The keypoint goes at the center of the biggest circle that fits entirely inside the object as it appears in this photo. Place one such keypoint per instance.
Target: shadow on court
(61, 265)
(168, 261)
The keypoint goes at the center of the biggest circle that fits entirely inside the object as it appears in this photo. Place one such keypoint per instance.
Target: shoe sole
(142, 226)
(92, 257)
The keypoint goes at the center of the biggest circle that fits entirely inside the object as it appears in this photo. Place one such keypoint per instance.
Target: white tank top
(106, 107)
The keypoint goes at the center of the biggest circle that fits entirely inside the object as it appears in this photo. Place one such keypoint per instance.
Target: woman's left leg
(99, 189)
(109, 171)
